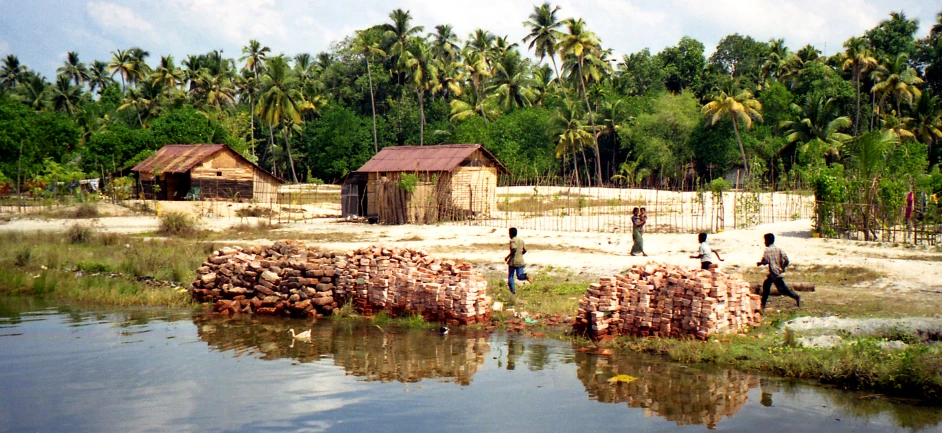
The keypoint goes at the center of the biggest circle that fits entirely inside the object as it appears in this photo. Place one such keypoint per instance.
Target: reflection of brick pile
(665, 300)
(684, 396)
(360, 348)
(290, 279)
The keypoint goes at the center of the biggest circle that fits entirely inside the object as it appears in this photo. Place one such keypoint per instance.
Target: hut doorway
(176, 186)
(353, 195)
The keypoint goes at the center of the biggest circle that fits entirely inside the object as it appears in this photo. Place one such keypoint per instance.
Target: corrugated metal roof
(177, 158)
(181, 158)
(444, 157)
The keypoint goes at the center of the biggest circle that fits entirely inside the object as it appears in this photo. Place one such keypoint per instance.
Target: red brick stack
(291, 279)
(665, 300)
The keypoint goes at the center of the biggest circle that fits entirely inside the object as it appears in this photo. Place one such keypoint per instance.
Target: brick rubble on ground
(667, 301)
(291, 279)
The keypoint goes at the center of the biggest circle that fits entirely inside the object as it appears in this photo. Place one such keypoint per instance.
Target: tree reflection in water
(361, 348)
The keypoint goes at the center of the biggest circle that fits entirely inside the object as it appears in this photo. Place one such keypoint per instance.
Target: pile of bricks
(291, 279)
(667, 301)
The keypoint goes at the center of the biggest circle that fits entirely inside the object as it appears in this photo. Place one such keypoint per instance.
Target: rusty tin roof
(181, 158)
(444, 157)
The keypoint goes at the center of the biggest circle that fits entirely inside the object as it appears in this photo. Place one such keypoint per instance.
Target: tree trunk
(857, 117)
(575, 168)
(369, 74)
(477, 89)
(742, 150)
(595, 138)
(271, 145)
(421, 117)
(873, 107)
(294, 175)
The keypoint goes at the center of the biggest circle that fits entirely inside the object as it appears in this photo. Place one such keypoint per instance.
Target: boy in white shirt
(707, 255)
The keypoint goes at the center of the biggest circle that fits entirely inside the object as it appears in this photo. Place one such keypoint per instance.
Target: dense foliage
(574, 114)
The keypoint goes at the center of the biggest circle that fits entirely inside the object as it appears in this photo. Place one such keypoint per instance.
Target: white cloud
(120, 20)
(234, 21)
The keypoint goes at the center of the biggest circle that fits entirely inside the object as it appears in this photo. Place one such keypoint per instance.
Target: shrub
(80, 233)
(85, 210)
(92, 266)
(254, 211)
(177, 224)
(23, 255)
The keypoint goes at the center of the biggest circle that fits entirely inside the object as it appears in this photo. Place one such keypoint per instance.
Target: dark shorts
(706, 265)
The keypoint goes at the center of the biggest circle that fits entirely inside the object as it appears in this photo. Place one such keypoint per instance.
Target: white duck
(304, 336)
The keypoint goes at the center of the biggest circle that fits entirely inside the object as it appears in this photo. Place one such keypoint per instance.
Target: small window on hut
(218, 173)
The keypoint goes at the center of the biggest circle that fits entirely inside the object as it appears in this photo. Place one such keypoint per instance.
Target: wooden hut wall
(224, 175)
(265, 187)
(474, 189)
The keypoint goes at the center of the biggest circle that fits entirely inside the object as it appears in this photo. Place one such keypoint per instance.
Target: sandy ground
(905, 269)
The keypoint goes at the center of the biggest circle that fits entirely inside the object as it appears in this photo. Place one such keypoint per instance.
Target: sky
(41, 32)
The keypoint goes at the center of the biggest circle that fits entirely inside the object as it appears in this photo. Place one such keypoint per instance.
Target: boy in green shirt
(515, 261)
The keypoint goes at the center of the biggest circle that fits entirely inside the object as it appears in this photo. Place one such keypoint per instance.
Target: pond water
(66, 368)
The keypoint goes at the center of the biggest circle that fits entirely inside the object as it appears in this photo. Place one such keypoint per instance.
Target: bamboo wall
(475, 189)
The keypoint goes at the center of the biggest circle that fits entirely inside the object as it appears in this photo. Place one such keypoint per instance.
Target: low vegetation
(177, 224)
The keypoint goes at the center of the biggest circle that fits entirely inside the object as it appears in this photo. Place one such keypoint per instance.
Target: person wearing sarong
(637, 232)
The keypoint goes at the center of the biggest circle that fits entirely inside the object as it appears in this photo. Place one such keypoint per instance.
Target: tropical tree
(366, 46)
(12, 72)
(64, 96)
(567, 127)
(423, 69)
(898, 81)
(400, 31)
(445, 44)
(212, 90)
(167, 75)
(98, 77)
(859, 61)
(740, 107)
(123, 64)
(254, 55)
(544, 32)
(818, 125)
(477, 67)
(512, 81)
(926, 121)
(73, 69)
(32, 90)
(280, 101)
(578, 46)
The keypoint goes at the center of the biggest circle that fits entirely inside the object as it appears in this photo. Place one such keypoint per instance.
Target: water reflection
(361, 348)
(685, 396)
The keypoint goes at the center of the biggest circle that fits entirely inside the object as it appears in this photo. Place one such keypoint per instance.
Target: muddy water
(80, 369)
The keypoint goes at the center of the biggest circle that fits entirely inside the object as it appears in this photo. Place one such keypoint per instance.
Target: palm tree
(167, 75)
(541, 81)
(444, 44)
(64, 96)
(859, 61)
(211, 90)
(124, 65)
(365, 46)
(740, 107)
(775, 63)
(423, 69)
(254, 58)
(868, 159)
(141, 69)
(820, 123)
(482, 41)
(898, 81)
(136, 100)
(280, 101)
(926, 122)
(544, 32)
(74, 69)
(580, 45)
(98, 77)
(400, 31)
(477, 67)
(12, 72)
(33, 90)
(567, 128)
(513, 85)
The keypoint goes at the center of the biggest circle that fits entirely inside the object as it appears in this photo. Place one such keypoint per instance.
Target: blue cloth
(518, 271)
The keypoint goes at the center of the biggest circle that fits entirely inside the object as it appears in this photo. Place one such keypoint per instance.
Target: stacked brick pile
(290, 279)
(665, 300)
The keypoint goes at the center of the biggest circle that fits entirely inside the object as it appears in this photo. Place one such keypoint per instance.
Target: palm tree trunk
(873, 107)
(369, 74)
(857, 118)
(742, 150)
(595, 138)
(421, 117)
(575, 168)
(288, 148)
(477, 89)
(271, 144)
